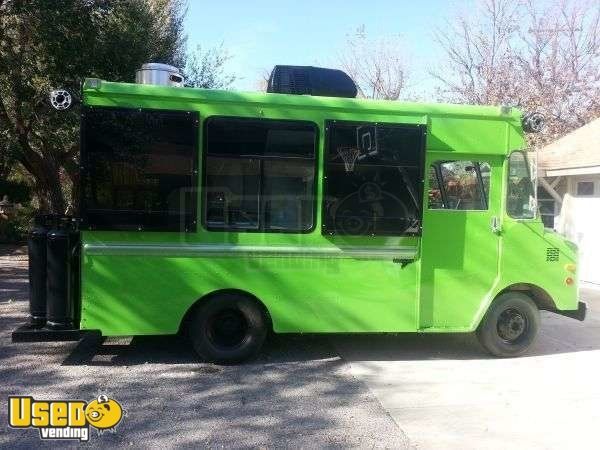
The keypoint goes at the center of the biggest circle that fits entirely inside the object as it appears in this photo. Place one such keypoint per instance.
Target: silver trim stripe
(201, 250)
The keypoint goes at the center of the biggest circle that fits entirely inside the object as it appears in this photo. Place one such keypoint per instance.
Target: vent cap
(159, 74)
(309, 80)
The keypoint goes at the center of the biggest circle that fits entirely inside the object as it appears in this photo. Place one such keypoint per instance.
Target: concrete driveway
(445, 394)
(402, 391)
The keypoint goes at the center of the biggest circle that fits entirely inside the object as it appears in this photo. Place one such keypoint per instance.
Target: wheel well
(541, 298)
(186, 317)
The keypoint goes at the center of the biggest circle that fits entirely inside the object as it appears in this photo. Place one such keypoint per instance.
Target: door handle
(495, 225)
(403, 262)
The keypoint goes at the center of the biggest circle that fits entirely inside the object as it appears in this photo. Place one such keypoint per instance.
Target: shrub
(14, 227)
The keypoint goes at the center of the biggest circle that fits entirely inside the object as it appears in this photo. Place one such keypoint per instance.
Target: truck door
(460, 245)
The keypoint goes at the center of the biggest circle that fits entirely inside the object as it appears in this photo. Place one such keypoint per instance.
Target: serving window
(138, 169)
(259, 175)
(373, 179)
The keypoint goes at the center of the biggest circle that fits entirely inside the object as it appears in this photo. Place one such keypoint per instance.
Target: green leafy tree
(49, 44)
(207, 68)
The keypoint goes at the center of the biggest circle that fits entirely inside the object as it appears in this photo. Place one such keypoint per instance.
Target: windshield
(521, 194)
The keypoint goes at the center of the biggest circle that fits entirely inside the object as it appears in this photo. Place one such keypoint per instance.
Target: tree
(517, 53)
(46, 44)
(206, 69)
(262, 81)
(376, 65)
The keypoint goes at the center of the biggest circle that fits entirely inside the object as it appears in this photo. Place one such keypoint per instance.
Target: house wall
(579, 221)
(573, 184)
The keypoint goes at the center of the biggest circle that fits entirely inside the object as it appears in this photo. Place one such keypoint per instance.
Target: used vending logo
(64, 419)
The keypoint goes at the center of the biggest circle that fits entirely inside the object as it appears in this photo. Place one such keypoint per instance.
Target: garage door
(579, 221)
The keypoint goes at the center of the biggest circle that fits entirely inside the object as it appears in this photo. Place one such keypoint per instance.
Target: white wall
(579, 221)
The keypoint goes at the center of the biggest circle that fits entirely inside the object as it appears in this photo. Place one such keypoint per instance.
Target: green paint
(143, 282)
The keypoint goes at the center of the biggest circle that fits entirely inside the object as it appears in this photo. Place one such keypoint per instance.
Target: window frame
(421, 167)
(579, 182)
(191, 225)
(260, 228)
(437, 166)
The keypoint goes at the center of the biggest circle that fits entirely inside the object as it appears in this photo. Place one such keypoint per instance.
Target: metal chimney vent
(159, 74)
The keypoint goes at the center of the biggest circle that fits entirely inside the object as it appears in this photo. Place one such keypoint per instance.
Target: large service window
(374, 179)
(138, 169)
(259, 175)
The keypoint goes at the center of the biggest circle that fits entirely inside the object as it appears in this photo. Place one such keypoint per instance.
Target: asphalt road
(401, 391)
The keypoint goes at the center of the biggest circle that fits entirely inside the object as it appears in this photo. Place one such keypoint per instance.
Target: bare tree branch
(377, 65)
(517, 52)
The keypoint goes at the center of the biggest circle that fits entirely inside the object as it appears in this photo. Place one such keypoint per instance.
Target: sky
(259, 34)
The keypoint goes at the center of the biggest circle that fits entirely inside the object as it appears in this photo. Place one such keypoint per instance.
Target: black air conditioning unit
(308, 80)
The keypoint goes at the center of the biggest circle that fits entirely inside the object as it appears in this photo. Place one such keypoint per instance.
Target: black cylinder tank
(36, 246)
(61, 251)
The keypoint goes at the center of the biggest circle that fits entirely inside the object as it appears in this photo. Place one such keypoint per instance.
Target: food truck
(228, 215)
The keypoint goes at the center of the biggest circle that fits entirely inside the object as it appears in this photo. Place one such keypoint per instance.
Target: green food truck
(227, 215)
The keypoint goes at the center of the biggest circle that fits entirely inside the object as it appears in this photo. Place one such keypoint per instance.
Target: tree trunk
(47, 179)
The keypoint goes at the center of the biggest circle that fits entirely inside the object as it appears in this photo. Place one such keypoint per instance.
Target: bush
(17, 191)
(15, 227)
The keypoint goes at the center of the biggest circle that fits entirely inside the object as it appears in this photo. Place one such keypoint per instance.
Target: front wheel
(227, 328)
(510, 326)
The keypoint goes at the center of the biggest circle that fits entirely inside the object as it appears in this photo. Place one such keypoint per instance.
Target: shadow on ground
(96, 351)
(13, 274)
(299, 392)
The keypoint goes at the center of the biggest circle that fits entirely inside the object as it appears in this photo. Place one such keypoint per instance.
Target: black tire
(227, 328)
(510, 326)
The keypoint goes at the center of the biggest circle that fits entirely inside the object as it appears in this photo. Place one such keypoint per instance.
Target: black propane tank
(61, 251)
(36, 248)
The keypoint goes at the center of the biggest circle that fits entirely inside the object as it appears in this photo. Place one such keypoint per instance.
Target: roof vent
(310, 80)
(160, 74)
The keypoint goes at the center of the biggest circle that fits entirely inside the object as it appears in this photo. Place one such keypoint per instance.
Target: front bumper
(578, 313)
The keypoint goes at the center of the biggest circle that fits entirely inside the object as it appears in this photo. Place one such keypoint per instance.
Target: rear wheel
(510, 326)
(227, 328)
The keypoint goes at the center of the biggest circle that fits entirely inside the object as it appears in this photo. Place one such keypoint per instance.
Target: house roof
(577, 152)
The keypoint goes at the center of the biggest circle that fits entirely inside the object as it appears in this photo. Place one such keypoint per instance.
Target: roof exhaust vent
(309, 80)
(159, 74)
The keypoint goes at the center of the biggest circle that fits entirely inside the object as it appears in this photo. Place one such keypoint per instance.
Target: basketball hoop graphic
(349, 155)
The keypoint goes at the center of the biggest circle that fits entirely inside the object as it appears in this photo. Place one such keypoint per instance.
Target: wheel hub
(511, 325)
(228, 329)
